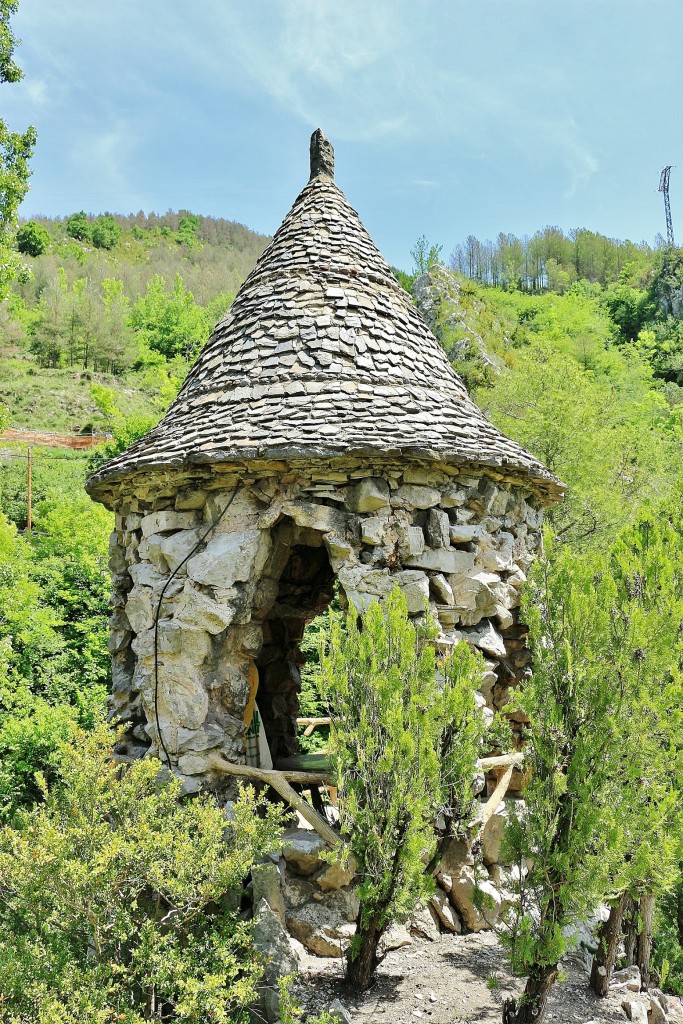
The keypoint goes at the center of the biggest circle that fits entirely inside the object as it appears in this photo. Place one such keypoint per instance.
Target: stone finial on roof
(322, 155)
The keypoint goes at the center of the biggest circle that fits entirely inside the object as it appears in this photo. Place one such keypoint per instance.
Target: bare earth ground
(445, 982)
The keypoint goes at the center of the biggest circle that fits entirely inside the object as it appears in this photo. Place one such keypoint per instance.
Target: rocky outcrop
(438, 296)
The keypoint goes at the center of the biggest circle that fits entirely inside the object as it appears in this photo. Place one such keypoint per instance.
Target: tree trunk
(644, 948)
(531, 1006)
(609, 934)
(360, 971)
(630, 931)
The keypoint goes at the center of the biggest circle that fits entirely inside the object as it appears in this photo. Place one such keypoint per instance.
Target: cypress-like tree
(405, 738)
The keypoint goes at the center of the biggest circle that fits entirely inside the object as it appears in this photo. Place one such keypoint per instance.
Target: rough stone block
(165, 522)
(372, 531)
(368, 495)
(452, 497)
(271, 939)
(334, 876)
(462, 896)
(496, 554)
(463, 533)
(445, 560)
(489, 640)
(316, 517)
(190, 500)
(267, 886)
(414, 496)
(445, 913)
(229, 558)
(302, 849)
(415, 588)
(206, 738)
(140, 609)
(438, 528)
(178, 546)
(338, 547)
(326, 927)
(411, 541)
(425, 923)
(197, 610)
(182, 698)
(442, 589)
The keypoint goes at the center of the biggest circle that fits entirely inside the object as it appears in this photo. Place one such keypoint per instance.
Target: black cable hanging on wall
(157, 616)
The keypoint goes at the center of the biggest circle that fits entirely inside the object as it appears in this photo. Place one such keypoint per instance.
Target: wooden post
(28, 490)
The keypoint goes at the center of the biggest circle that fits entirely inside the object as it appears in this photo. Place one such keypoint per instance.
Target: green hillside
(124, 302)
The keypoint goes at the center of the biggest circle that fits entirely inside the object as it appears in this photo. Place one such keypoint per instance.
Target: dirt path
(456, 980)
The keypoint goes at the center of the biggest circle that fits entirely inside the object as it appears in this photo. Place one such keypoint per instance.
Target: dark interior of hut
(305, 588)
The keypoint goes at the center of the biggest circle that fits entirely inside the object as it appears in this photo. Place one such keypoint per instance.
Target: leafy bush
(120, 904)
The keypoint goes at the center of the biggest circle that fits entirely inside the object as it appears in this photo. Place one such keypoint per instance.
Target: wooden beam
(495, 800)
(280, 781)
(487, 764)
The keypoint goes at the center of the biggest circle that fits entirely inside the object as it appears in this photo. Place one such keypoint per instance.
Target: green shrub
(118, 903)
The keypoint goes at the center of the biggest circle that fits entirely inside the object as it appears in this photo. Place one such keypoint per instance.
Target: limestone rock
(267, 886)
(635, 1011)
(182, 700)
(415, 588)
(271, 940)
(140, 610)
(334, 876)
(316, 517)
(628, 978)
(325, 928)
(229, 558)
(489, 640)
(462, 896)
(442, 589)
(444, 911)
(445, 560)
(302, 849)
(414, 496)
(164, 522)
(189, 500)
(372, 531)
(370, 494)
(177, 546)
(462, 533)
(206, 738)
(396, 937)
(411, 541)
(658, 1008)
(438, 528)
(425, 923)
(202, 612)
(339, 1013)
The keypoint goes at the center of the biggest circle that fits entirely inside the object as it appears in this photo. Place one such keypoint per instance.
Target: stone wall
(235, 600)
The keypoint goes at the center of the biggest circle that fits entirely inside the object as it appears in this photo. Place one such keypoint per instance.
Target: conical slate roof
(322, 353)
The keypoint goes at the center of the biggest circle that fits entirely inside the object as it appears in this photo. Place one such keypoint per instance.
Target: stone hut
(322, 435)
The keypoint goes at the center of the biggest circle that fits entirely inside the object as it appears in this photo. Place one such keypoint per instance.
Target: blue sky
(448, 117)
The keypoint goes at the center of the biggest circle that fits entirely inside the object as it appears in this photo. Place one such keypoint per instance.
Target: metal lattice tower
(664, 187)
